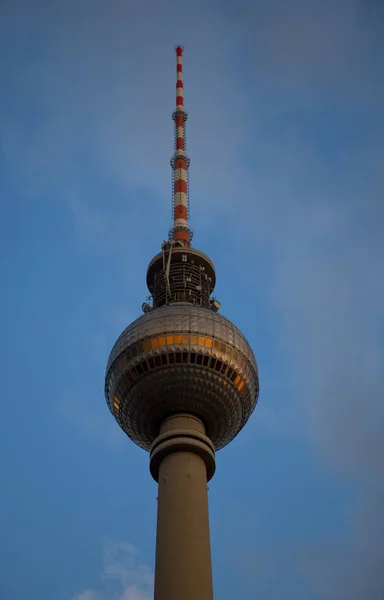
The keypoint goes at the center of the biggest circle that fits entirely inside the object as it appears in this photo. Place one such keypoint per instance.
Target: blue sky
(285, 134)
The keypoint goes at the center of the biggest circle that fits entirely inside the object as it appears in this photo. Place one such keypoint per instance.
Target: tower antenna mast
(181, 230)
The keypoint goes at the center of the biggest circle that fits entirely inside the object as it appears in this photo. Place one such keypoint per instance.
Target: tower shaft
(183, 555)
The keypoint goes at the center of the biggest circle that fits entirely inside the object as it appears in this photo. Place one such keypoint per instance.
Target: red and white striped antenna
(181, 230)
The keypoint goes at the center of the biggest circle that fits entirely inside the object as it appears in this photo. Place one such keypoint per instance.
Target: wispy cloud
(123, 576)
(87, 595)
(326, 235)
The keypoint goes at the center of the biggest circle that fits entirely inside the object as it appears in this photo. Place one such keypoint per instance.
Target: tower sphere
(181, 358)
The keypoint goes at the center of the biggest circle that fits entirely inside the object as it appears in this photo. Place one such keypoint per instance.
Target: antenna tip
(179, 49)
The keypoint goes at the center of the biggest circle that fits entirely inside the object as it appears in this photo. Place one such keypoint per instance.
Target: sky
(286, 139)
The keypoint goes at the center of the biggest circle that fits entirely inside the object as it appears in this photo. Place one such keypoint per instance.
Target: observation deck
(176, 359)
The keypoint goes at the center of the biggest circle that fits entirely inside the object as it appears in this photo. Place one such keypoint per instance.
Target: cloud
(325, 232)
(87, 595)
(123, 577)
(95, 84)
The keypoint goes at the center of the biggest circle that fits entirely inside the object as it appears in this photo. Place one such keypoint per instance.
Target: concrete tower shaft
(181, 458)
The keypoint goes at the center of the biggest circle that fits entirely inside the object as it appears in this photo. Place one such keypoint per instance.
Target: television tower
(181, 381)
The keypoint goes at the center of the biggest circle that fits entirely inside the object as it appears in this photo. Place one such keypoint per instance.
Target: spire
(181, 230)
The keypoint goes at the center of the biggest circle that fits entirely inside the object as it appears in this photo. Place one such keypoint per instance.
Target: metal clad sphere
(181, 358)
